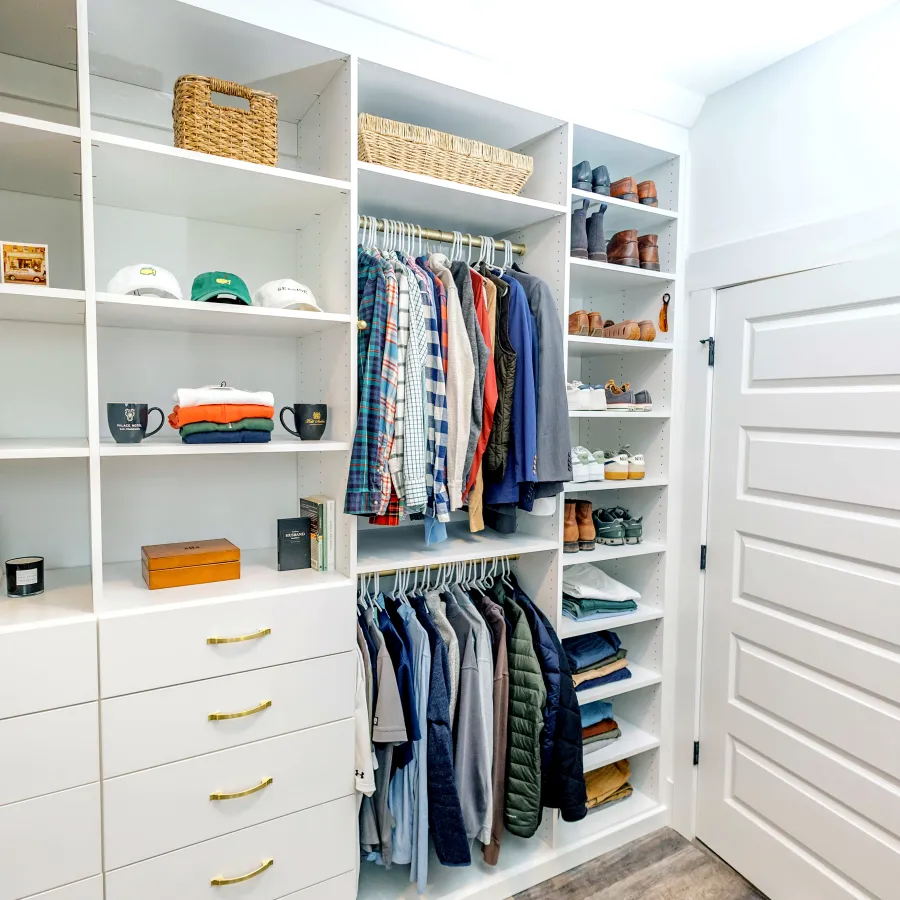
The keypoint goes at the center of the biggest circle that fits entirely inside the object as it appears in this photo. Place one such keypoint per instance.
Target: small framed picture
(24, 264)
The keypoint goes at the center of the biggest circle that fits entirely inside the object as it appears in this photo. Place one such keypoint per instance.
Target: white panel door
(800, 725)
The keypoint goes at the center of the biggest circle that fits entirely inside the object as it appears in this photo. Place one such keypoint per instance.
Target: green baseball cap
(220, 287)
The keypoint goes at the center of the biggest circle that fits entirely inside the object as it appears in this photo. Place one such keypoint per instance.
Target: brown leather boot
(578, 323)
(648, 251)
(595, 325)
(587, 532)
(624, 189)
(623, 249)
(647, 193)
(570, 529)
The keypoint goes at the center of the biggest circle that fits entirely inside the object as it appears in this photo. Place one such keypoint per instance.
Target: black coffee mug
(310, 417)
(128, 421)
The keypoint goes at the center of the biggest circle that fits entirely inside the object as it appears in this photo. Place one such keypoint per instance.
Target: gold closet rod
(485, 559)
(446, 237)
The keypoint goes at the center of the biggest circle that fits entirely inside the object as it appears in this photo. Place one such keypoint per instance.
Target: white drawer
(142, 651)
(90, 889)
(159, 810)
(47, 667)
(48, 751)
(308, 847)
(341, 888)
(49, 841)
(162, 726)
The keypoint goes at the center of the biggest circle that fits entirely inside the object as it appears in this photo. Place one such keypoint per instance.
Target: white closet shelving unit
(87, 166)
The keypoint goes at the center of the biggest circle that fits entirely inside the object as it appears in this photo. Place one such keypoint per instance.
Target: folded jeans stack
(596, 659)
(217, 414)
(609, 784)
(589, 593)
(598, 726)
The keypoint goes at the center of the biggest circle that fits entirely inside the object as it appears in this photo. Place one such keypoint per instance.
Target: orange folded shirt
(219, 412)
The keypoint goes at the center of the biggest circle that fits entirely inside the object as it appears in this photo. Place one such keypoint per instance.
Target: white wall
(811, 138)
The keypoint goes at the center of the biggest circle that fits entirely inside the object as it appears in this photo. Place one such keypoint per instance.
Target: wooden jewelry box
(196, 562)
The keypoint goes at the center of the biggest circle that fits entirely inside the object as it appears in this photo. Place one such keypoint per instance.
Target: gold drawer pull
(239, 794)
(244, 637)
(218, 717)
(218, 882)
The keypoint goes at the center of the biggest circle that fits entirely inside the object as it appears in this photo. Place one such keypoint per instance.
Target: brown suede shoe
(648, 250)
(587, 533)
(578, 323)
(647, 193)
(570, 529)
(623, 249)
(624, 189)
(648, 331)
(595, 325)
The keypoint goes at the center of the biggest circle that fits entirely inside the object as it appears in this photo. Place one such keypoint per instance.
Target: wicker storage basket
(429, 152)
(202, 125)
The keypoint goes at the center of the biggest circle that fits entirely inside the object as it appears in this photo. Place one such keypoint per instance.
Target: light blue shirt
(408, 794)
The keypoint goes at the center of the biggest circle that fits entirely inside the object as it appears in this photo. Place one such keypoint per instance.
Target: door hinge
(702, 556)
(696, 753)
(712, 349)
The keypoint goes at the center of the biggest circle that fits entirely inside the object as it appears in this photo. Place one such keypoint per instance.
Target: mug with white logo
(128, 421)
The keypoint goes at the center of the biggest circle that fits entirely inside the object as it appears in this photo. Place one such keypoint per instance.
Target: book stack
(321, 512)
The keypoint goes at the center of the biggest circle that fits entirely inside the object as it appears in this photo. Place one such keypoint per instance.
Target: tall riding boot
(579, 232)
(596, 241)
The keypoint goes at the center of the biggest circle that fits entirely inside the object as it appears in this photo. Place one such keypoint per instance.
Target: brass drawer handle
(218, 882)
(218, 717)
(244, 637)
(239, 794)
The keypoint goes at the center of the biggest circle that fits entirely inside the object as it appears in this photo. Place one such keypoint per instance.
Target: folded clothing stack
(597, 723)
(589, 593)
(608, 785)
(217, 414)
(596, 659)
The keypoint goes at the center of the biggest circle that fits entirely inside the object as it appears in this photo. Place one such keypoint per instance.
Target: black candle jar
(25, 576)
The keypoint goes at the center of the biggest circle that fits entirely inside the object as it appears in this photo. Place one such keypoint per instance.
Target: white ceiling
(698, 45)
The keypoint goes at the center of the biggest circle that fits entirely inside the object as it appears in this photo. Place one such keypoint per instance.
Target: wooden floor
(661, 866)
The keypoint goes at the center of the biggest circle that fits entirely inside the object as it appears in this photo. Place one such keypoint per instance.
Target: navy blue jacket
(562, 756)
(445, 820)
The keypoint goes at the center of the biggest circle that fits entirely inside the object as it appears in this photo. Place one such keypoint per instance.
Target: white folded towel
(214, 393)
(587, 582)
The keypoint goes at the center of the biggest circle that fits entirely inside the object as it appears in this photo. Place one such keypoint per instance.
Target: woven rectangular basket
(202, 125)
(425, 151)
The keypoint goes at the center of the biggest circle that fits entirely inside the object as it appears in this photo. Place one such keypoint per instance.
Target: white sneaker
(616, 466)
(598, 397)
(580, 470)
(636, 466)
(578, 396)
(600, 460)
(595, 469)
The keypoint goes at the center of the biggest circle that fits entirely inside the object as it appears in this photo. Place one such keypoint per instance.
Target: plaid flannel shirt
(404, 286)
(369, 479)
(436, 395)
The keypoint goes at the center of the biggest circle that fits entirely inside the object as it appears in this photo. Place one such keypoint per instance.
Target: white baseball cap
(145, 280)
(285, 293)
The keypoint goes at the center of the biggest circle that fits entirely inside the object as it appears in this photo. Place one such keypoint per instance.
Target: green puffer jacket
(527, 698)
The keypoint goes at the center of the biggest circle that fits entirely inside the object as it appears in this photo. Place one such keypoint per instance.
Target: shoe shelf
(623, 214)
(633, 741)
(641, 677)
(159, 314)
(569, 628)
(407, 197)
(604, 552)
(577, 487)
(616, 414)
(392, 548)
(589, 278)
(173, 447)
(43, 448)
(592, 346)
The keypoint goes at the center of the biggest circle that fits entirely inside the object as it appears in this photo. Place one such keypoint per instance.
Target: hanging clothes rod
(486, 559)
(446, 237)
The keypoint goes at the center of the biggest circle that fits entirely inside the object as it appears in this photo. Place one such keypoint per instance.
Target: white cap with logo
(285, 293)
(145, 280)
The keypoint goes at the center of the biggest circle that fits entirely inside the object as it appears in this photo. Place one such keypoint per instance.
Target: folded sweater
(219, 412)
(598, 739)
(600, 671)
(214, 393)
(600, 728)
(240, 425)
(619, 675)
(228, 437)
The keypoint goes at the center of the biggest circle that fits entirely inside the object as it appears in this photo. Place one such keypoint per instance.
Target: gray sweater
(554, 462)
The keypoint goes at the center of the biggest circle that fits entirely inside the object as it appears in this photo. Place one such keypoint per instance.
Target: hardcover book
(293, 544)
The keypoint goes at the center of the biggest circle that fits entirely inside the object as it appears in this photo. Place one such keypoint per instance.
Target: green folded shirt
(240, 425)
